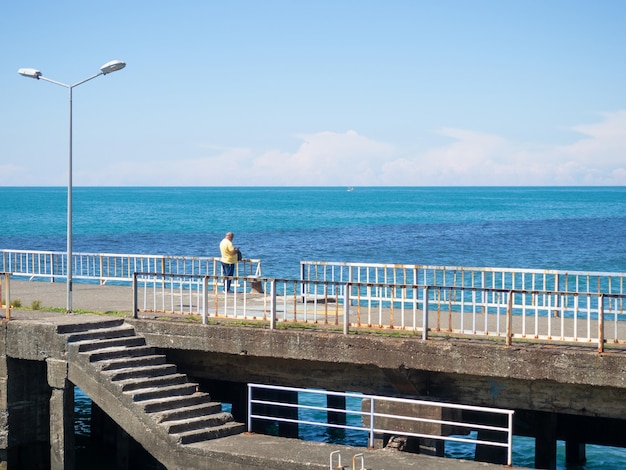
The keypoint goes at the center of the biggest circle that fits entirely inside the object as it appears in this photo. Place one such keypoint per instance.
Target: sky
(315, 93)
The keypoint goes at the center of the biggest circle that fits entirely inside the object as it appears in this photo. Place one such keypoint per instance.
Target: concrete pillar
(575, 452)
(491, 454)
(338, 402)
(545, 441)
(28, 404)
(487, 453)
(287, 429)
(62, 455)
(4, 412)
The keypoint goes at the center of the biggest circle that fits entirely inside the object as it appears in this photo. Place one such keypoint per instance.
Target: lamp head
(32, 73)
(112, 66)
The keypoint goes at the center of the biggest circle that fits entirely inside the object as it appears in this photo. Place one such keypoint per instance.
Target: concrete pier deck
(241, 451)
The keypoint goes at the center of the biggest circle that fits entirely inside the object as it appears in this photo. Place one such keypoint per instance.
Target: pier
(570, 392)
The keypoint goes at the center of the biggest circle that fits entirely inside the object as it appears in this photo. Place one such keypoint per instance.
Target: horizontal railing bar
(372, 416)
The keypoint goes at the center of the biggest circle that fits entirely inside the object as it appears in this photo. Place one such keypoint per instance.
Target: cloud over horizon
(348, 158)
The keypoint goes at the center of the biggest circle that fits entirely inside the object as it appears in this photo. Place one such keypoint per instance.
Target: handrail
(384, 416)
(111, 267)
(465, 276)
(508, 314)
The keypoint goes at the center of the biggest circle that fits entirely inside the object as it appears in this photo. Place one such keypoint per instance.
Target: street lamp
(107, 68)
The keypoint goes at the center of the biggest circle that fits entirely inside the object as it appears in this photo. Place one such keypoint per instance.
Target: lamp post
(107, 68)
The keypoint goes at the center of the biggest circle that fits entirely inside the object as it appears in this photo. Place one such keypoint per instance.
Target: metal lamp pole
(107, 68)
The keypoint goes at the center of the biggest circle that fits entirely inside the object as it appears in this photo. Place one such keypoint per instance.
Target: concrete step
(163, 392)
(139, 372)
(117, 331)
(79, 326)
(198, 423)
(148, 382)
(125, 362)
(174, 402)
(120, 352)
(94, 345)
(186, 412)
(228, 429)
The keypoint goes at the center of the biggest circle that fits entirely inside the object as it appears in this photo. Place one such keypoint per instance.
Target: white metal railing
(111, 267)
(377, 415)
(511, 315)
(460, 276)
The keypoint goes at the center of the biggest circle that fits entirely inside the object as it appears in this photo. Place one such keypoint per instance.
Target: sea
(564, 228)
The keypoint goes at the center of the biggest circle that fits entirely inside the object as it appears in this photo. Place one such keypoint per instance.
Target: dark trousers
(228, 270)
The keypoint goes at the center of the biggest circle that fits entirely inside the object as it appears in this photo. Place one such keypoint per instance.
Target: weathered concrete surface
(32, 336)
(481, 373)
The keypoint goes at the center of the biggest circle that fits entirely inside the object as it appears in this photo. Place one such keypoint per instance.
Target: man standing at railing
(229, 258)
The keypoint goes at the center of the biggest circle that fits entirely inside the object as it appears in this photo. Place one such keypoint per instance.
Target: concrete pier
(564, 393)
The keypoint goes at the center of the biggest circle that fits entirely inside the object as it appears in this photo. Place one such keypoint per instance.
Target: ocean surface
(569, 228)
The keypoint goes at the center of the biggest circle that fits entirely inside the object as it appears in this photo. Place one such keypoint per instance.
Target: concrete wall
(572, 380)
(4, 414)
(567, 387)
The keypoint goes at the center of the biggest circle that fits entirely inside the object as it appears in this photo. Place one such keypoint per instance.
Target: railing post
(509, 449)
(425, 314)
(601, 324)
(346, 308)
(372, 412)
(249, 407)
(509, 319)
(7, 289)
(272, 304)
(135, 295)
(205, 298)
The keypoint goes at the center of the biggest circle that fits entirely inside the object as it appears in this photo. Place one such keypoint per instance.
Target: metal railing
(111, 267)
(460, 276)
(510, 315)
(378, 415)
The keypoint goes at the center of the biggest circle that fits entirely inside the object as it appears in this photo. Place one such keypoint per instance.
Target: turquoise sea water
(522, 227)
(558, 228)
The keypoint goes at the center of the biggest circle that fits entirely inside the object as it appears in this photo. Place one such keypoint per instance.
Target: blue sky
(343, 92)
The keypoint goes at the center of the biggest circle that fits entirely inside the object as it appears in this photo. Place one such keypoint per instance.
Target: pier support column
(545, 441)
(337, 402)
(575, 452)
(28, 404)
(487, 453)
(61, 416)
(4, 413)
(491, 454)
(287, 429)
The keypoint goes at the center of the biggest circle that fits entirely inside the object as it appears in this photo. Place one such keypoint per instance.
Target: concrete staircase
(144, 394)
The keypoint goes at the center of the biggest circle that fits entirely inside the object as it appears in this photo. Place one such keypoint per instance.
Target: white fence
(460, 276)
(510, 315)
(111, 267)
(376, 415)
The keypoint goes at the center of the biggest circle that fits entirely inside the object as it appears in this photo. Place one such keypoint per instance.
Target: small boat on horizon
(350, 189)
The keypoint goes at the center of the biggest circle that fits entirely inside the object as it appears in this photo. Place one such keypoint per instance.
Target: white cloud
(332, 158)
